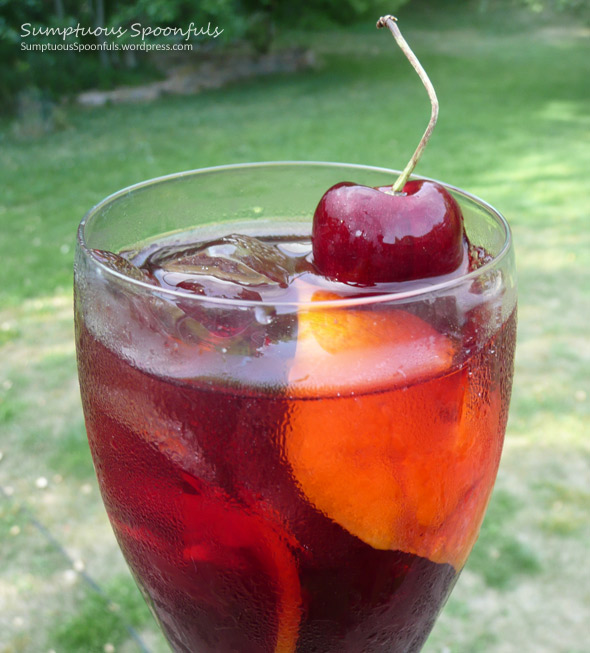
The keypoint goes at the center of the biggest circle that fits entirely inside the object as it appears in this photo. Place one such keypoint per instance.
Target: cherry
(366, 235)
(411, 230)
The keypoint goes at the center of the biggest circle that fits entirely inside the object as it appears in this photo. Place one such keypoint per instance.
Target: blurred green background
(513, 81)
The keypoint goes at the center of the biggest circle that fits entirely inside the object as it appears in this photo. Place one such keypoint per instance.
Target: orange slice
(237, 538)
(395, 447)
(357, 350)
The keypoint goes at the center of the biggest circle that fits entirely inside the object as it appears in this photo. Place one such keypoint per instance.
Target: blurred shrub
(577, 8)
(58, 73)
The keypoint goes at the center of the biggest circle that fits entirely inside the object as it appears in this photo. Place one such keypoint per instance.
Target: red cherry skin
(363, 235)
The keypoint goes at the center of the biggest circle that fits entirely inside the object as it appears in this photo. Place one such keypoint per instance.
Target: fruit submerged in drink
(291, 464)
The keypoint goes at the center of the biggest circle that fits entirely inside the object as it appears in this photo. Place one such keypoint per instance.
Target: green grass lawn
(514, 128)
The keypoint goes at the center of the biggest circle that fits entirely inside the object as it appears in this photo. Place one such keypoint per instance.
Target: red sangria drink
(294, 459)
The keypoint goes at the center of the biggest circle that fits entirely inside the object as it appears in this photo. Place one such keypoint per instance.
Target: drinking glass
(289, 475)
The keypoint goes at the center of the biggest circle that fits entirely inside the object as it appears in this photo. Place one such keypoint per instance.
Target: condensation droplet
(263, 315)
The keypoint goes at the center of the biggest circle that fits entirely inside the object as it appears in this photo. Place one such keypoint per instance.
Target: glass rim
(380, 297)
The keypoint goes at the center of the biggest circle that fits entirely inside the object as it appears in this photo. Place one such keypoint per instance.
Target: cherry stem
(391, 23)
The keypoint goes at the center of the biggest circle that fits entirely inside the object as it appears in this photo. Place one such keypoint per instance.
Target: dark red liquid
(238, 548)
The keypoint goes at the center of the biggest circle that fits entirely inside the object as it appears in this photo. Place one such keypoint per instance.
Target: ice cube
(123, 266)
(238, 259)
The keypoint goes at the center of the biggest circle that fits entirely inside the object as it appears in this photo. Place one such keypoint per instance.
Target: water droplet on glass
(263, 315)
